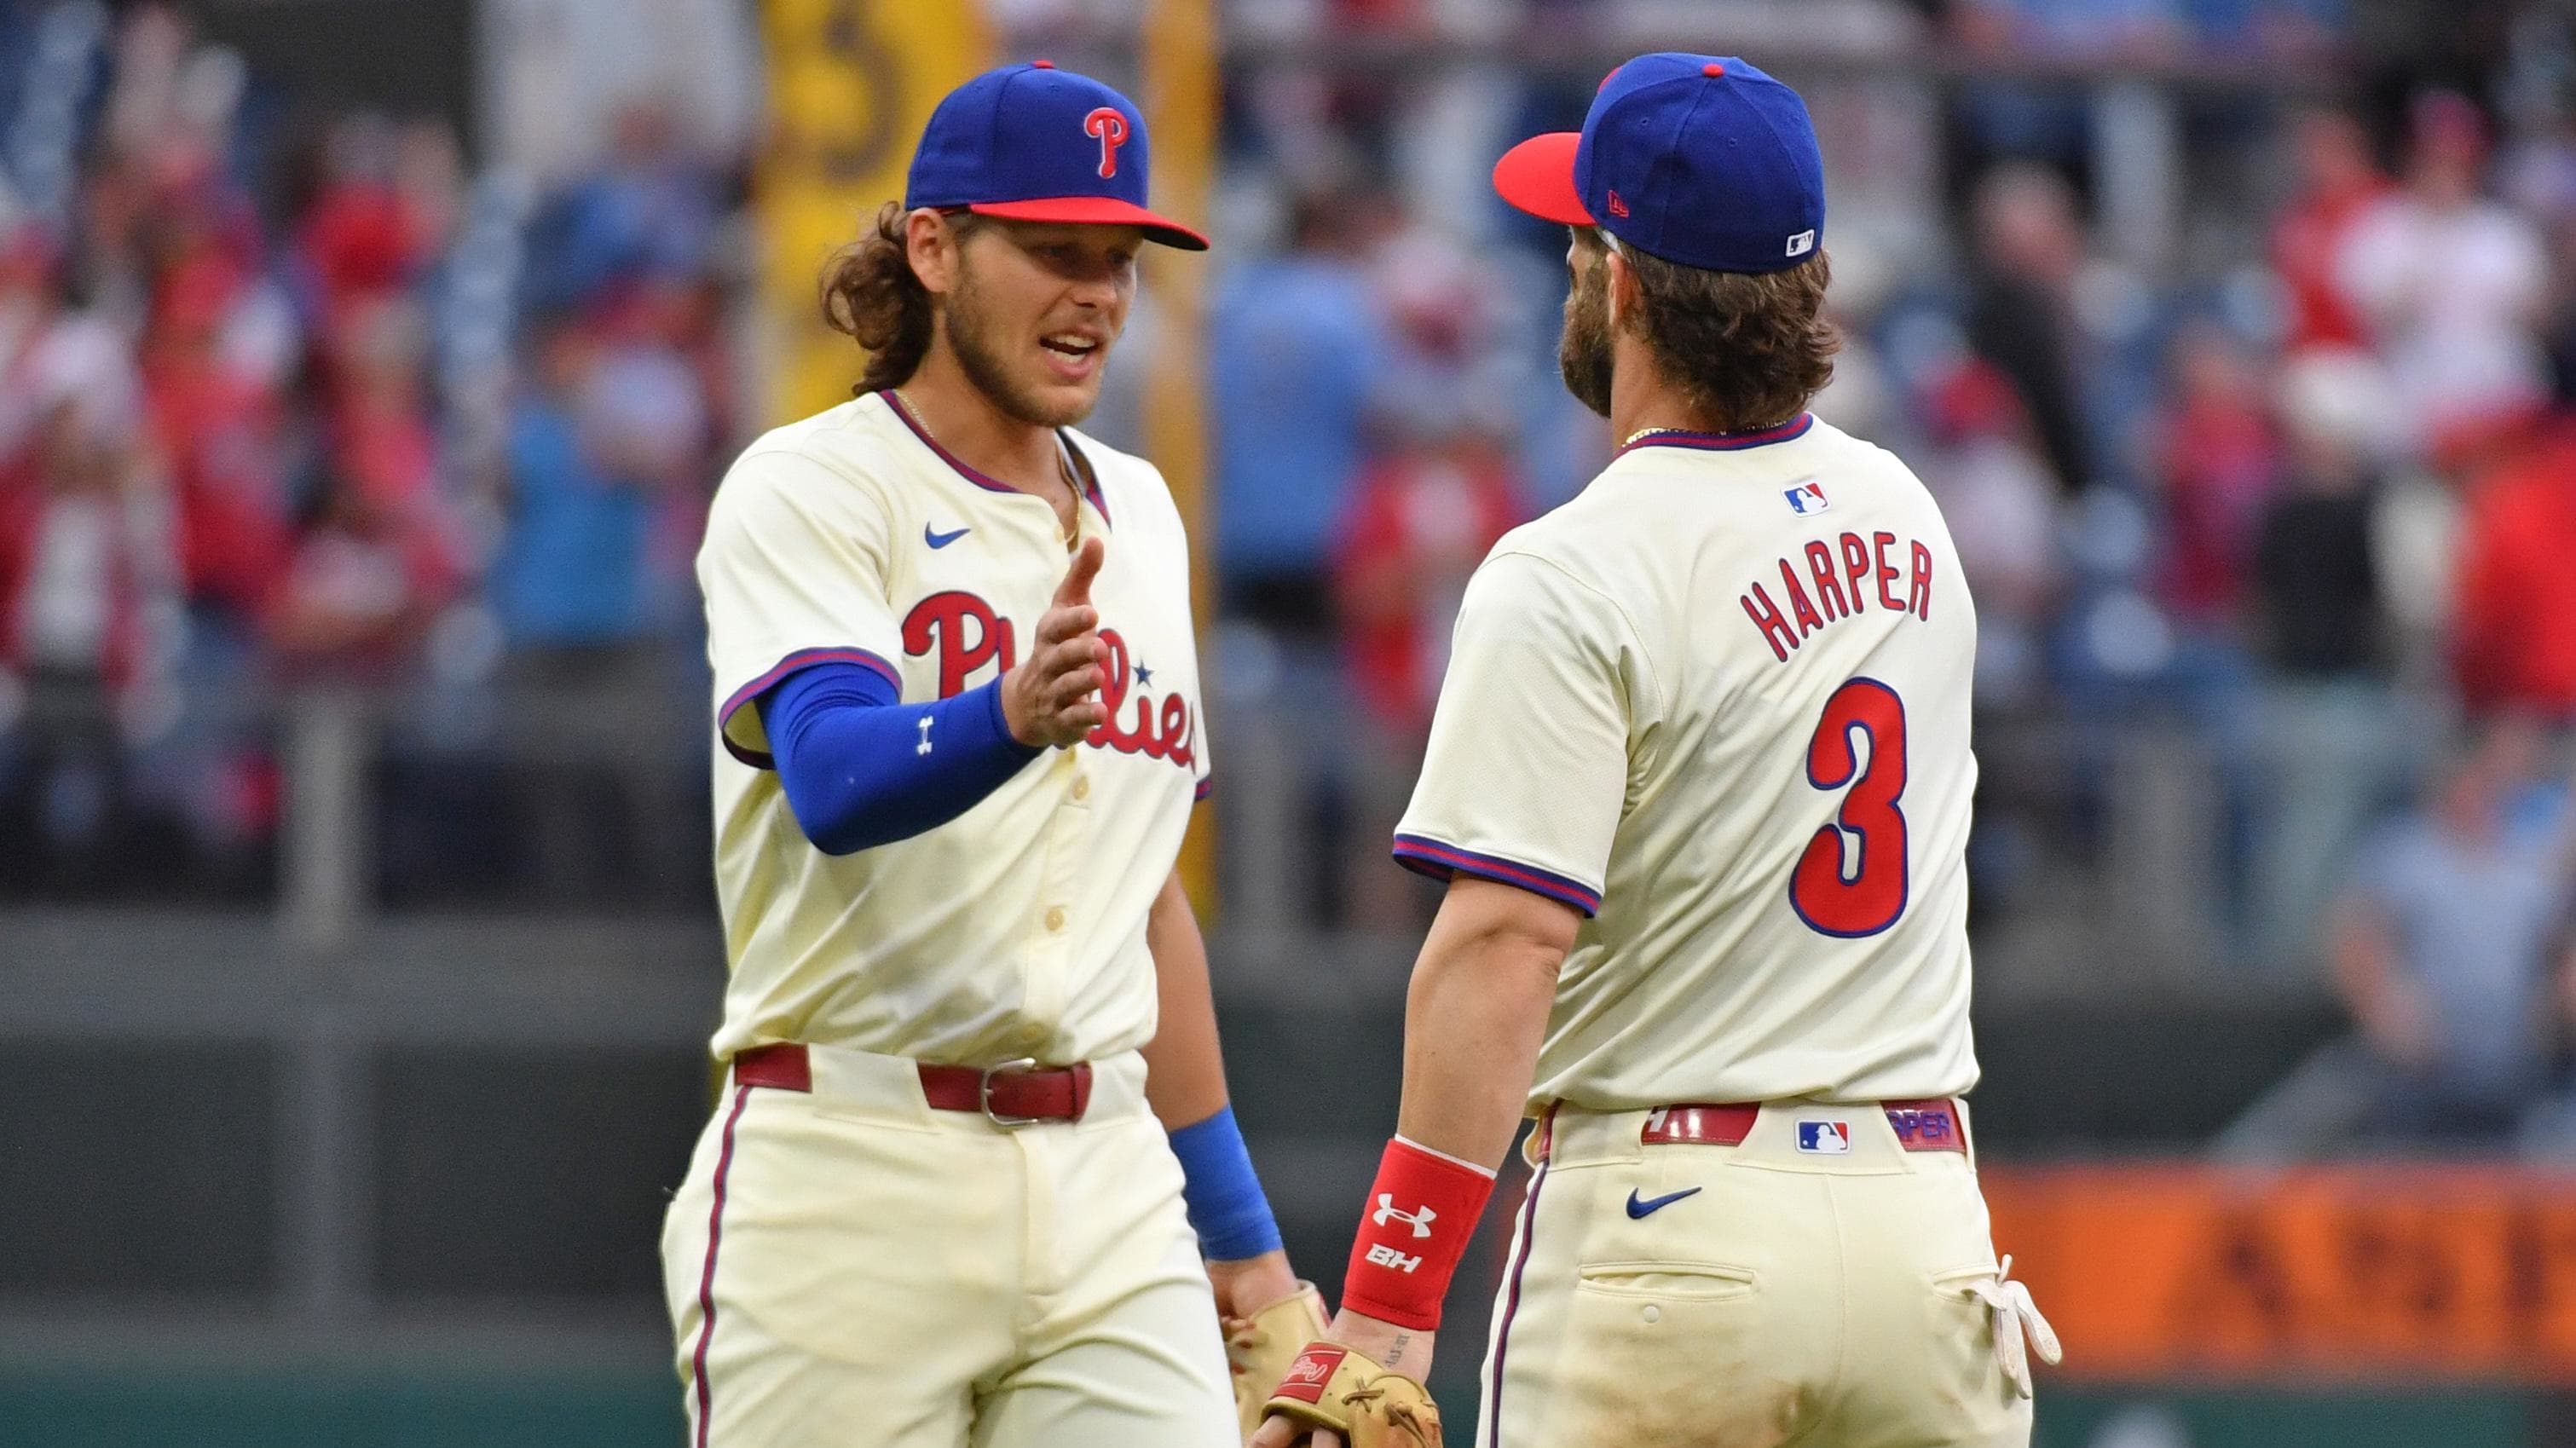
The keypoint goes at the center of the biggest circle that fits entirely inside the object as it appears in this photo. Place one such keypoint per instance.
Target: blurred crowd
(295, 400)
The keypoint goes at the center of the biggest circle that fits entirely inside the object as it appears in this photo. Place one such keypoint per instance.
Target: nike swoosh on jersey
(942, 540)
(1637, 1208)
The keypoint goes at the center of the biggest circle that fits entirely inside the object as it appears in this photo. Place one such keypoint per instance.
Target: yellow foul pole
(1179, 46)
(851, 83)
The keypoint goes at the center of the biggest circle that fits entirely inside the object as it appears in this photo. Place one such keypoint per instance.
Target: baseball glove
(1261, 1347)
(1331, 1386)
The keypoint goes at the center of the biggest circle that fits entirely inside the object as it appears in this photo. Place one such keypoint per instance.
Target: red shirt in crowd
(2306, 241)
(2516, 609)
(1417, 526)
(2220, 464)
(221, 434)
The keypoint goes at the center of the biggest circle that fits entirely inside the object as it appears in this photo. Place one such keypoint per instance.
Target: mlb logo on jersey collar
(1824, 1138)
(1807, 497)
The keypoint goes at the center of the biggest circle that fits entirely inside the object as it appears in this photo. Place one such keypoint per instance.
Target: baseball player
(975, 1134)
(1699, 781)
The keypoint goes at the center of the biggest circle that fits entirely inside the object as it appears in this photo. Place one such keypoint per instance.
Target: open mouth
(1072, 346)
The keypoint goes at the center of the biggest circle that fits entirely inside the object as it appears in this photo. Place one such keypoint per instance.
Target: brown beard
(1583, 350)
(979, 355)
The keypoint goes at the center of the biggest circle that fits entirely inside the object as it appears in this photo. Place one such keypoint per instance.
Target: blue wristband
(1224, 1197)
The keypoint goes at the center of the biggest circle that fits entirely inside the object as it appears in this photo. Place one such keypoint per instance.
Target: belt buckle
(984, 1093)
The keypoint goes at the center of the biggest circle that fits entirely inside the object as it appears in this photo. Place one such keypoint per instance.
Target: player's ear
(931, 240)
(1624, 296)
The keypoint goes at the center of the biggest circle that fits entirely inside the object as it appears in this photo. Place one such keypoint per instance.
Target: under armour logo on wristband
(1386, 1212)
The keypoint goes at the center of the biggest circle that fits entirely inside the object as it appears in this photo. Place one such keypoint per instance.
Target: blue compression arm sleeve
(862, 769)
(1224, 1197)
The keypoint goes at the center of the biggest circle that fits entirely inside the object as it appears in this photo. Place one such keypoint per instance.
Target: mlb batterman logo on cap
(1034, 143)
(1701, 160)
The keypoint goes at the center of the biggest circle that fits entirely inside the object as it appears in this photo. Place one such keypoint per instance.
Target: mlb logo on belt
(1824, 1138)
(1807, 498)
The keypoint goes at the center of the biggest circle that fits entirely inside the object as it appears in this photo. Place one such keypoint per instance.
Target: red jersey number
(1870, 896)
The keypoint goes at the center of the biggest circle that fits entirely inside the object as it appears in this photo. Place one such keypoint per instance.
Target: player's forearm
(861, 769)
(1474, 1016)
(1185, 1085)
(1185, 1068)
(1473, 1021)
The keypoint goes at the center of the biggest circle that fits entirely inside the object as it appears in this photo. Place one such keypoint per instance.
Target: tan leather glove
(1260, 1348)
(1335, 1387)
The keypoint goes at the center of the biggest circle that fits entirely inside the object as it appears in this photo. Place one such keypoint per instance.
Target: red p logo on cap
(1110, 126)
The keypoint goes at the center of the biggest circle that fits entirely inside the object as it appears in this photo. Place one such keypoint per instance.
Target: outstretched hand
(1051, 698)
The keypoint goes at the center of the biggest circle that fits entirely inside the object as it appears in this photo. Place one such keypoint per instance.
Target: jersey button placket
(1068, 837)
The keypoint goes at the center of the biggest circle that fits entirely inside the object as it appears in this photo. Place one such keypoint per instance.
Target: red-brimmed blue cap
(1701, 160)
(1034, 143)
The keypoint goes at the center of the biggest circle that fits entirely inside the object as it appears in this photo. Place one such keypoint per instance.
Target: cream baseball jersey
(1719, 702)
(1018, 928)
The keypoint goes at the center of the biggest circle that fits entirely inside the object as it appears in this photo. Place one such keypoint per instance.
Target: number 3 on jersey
(1871, 895)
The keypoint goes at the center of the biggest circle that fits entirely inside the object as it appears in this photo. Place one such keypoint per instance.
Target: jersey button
(1055, 917)
(1082, 786)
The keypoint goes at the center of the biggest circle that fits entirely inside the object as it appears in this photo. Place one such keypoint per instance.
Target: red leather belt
(1015, 1093)
(1931, 1125)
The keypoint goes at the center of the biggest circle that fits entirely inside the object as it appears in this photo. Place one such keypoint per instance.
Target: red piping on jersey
(1725, 441)
(985, 481)
(802, 658)
(707, 1279)
(1430, 857)
(1493, 1414)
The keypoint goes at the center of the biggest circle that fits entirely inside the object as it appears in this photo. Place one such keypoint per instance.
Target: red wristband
(1413, 1230)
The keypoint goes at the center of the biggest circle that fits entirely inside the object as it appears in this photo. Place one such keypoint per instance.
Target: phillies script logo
(1110, 125)
(969, 635)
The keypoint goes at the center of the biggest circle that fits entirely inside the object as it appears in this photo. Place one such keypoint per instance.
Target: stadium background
(365, 366)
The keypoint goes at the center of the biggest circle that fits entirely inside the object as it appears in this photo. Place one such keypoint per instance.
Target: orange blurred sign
(2407, 1270)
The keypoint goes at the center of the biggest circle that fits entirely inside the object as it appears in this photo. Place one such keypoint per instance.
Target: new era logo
(1620, 208)
(1803, 243)
(1807, 498)
(1824, 1138)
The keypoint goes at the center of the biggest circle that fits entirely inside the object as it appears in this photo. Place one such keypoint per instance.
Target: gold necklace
(1063, 465)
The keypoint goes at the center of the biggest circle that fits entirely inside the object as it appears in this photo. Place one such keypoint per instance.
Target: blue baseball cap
(1701, 160)
(1034, 143)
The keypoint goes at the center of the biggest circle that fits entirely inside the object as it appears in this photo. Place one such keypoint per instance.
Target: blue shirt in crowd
(1296, 350)
(571, 570)
(2474, 920)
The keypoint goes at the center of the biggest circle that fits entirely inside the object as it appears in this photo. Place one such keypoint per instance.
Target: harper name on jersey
(1847, 574)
